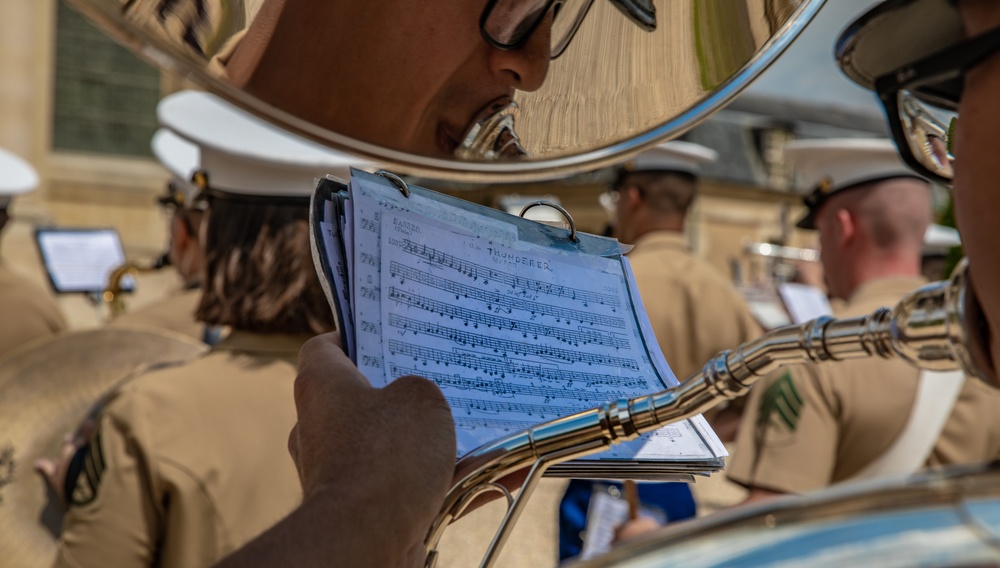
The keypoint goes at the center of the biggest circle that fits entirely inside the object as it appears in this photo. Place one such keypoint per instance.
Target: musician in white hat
(937, 57)
(694, 309)
(190, 462)
(695, 312)
(820, 424)
(29, 312)
(185, 254)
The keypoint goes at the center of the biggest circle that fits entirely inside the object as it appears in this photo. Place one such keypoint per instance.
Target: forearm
(335, 526)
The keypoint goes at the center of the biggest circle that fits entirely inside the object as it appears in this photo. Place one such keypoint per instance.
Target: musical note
(475, 271)
(505, 367)
(541, 411)
(505, 346)
(526, 328)
(499, 300)
(501, 389)
(466, 422)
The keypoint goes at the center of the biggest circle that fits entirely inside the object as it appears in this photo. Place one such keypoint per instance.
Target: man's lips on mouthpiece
(449, 136)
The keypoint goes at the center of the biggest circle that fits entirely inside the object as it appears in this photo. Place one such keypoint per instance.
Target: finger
(324, 372)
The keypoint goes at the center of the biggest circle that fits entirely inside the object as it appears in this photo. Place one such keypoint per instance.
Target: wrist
(389, 529)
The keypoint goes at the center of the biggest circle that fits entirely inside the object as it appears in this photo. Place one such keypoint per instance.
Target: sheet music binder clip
(560, 209)
(396, 180)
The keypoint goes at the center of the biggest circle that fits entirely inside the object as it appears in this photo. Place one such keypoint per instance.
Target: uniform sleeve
(788, 436)
(111, 519)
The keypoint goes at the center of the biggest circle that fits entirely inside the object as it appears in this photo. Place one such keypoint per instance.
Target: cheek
(977, 169)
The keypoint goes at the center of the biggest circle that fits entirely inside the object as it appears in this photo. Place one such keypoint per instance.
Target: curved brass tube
(113, 292)
(925, 328)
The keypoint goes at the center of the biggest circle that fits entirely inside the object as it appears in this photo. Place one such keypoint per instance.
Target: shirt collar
(275, 345)
(663, 239)
(893, 287)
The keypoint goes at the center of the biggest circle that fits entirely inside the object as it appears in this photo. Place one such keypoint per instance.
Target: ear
(846, 226)
(631, 197)
(179, 232)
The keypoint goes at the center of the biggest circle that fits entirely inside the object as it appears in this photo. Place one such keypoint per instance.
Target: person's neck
(883, 267)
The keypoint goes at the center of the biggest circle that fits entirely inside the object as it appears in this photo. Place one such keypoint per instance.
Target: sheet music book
(804, 302)
(515, 322)
(81, 260)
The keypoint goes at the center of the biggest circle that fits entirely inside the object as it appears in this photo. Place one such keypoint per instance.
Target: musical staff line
(513, 368)
(476, 318)
(466, 423)
(476, 271)
(470, 405)
(501, 389)
(404, 273)
(505, 346)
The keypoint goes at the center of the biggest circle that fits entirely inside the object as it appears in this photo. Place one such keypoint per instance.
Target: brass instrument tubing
(924, 328)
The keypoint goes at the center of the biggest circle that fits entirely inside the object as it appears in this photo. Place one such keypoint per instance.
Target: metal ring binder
(396, 180)
(559, 208)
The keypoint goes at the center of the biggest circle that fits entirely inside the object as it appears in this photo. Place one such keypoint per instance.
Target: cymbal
(46, 388)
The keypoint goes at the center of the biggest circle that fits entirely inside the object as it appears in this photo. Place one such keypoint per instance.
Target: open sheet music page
(369, 202)
(514, 334)
(515, 323)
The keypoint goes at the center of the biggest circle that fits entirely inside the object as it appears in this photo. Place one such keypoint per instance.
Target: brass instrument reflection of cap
(831, 166)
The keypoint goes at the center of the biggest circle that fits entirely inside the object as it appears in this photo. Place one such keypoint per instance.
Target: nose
(525, 68)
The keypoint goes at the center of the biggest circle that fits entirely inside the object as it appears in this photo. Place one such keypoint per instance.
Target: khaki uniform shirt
(189, 462)
(175, 313)
(814, 425)
(26, 312)
(695, 312)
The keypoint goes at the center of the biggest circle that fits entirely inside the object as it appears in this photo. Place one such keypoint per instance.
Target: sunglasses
(509, 24)
(921, 98)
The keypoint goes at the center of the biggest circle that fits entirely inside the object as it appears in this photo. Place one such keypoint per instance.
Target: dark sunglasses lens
(510, 21)
(926, 134)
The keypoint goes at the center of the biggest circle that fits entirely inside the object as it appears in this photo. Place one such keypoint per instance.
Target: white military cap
(245, 156)
(673, 156)
(897, 33)
(182, 159)
(16, 177)
(830, 166)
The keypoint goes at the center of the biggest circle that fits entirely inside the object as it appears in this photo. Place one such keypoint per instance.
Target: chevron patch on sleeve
(780, 405)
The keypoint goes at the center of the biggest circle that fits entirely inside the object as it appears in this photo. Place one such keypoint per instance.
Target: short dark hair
(259, 273)
(666, 192)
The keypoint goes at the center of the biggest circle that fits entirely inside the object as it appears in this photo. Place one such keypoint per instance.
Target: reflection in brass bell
(492, 138)
(398, 84)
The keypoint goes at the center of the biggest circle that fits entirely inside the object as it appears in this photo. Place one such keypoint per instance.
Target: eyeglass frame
(948, 64)
(488, 10)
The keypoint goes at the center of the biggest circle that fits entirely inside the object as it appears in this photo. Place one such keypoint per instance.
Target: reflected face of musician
(408, 74)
